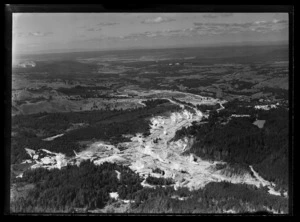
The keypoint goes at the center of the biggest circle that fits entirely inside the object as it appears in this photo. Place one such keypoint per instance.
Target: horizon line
(225, 44)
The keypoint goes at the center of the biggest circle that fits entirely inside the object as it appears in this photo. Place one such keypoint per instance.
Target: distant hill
(256, 51)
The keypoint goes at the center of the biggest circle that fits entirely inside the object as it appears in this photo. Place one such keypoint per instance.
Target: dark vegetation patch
(157, 170)
(270, 70)
(194, 83)
(36, 99)
(112, 132)
(55, 123)
(59, 145)
(234, 168)
(207, 107)
(241, 142)
(220, 166)
(20, 191)
(19, 102)
(188, 106)
(183, 102)
(159, 181)
(155, 83)
(239, 93)
(127, 122)
(201, 93)
(238, 107)
(277, 92)
(155, 102)
(88, 186)
(214, 198)
(39, 90)
(31, 100)
(240, 85)
(17, 169)
(75, 187)
(83, 91)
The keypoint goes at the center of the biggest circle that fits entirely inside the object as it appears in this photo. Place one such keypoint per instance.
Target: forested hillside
(238, 140)
(30, 130)
(88, 186)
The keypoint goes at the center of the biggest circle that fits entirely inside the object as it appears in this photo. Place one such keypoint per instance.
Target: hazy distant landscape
(185, 130)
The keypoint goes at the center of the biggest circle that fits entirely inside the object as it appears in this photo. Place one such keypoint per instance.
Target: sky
(71, 32)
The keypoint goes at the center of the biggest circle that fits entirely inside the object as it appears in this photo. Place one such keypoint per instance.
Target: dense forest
(159, 181)
(216, 197)
(155, 102)
(239, 141)
(205, 108)
(88, 186)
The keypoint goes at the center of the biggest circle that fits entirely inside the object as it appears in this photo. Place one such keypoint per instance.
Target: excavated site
(147, 153)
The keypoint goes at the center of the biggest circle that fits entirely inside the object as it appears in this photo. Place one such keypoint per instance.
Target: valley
(185, 130)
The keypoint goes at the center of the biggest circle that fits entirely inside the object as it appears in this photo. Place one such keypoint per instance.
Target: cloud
(34, 34)
(107, 23)
(102, 37)
(200, 28)
(153, 34)
(135, 35)
(157, 20)
(95, 29)
(257, 26)
(146, 34)
(280, 21)
(173, 31)
(260, 22)
(40, 34)
(216, 15)
(260, 29)
(99, 25)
